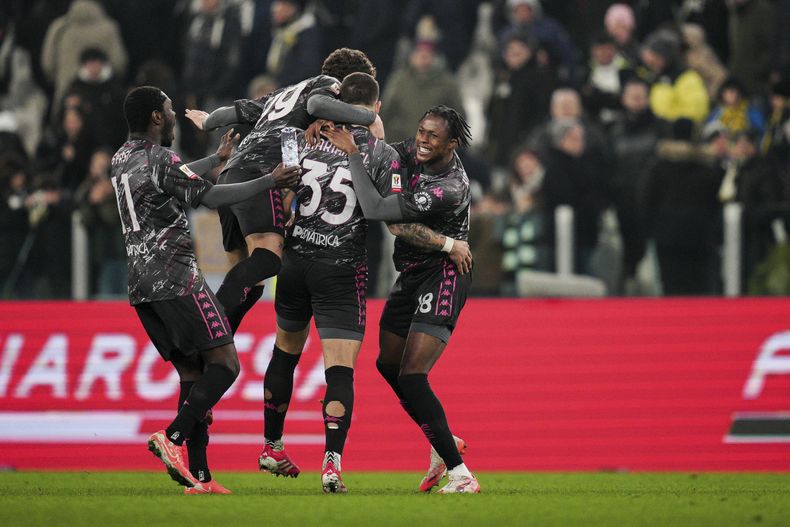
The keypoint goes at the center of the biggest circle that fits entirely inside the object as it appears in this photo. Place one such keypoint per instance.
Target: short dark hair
(456, 124)
(633, 79)
(139, 104)
(345, 61)
(359, 88)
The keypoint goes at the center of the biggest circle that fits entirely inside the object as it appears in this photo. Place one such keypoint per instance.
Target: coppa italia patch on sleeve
(335, 88)
(188, 172)
(396, 183)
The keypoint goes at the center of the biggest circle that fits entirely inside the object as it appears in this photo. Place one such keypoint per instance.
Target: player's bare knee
(335, 409)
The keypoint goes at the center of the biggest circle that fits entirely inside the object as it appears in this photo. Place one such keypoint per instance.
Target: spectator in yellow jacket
(676, 91)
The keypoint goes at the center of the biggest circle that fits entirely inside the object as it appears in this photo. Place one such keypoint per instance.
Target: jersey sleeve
(436, 198)
(385, 169)
(177, 180)
(248, 110)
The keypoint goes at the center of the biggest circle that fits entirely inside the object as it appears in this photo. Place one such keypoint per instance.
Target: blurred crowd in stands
(646, 117)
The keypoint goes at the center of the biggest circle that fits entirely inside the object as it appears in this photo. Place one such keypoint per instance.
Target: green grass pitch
(104, 499)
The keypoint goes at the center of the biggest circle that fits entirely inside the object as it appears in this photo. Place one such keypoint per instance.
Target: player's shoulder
(164, 156)
(376, 149)
(324, 82)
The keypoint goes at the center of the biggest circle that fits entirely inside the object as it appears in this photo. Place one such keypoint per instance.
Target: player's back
(330, 225)
(285, 107)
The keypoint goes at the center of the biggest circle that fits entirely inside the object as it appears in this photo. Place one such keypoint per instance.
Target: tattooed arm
(421, 236)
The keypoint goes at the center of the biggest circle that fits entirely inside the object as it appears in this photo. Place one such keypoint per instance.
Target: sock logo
(175, 435)
(201, 475)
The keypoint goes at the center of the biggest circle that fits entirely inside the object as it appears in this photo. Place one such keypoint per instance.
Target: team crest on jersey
(423, 201)
(188, 172)
(396, 183)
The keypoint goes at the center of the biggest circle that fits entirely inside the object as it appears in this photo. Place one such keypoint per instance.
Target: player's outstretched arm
(221, 195)
(424, 237)
(209, 121)
(331, 109)
(374, 206)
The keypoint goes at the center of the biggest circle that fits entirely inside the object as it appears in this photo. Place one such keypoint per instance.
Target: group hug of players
(346, 176)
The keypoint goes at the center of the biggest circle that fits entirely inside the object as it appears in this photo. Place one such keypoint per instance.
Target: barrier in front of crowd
(600, 384)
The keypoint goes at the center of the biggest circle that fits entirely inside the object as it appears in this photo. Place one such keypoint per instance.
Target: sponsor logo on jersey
(188, 172)
(423, 201)
(140, 249)
(316, 238)
(396, 183)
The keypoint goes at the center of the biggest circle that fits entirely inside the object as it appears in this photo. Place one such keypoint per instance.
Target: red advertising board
(659, 384)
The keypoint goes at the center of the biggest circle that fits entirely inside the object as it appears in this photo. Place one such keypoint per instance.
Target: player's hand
(377, 128)
(461, 256)
(227, 144)
(313, 133)
(342, 139)
(286, 176)
(198, 117)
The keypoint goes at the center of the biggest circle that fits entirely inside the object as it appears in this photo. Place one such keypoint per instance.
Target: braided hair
(456, 124)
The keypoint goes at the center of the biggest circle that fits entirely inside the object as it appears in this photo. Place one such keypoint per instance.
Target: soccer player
(426, 300)
(176, 307)
(252, 231)
(324, 275)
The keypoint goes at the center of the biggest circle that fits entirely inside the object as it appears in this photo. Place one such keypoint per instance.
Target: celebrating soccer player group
(346, 175)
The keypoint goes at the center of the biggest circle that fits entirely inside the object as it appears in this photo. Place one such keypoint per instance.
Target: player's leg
(189, 370)
(158, 443)
(440, 298)
(195, 326)
(236, 250)
(277, 389)
(393, 330)
(340, 356)
(292, 305)
(339, 306)
(261, 222)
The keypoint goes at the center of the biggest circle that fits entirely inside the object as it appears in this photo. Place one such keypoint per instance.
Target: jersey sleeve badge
(188, 172)
(396, 182)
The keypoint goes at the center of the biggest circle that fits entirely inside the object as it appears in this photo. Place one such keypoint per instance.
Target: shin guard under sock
(390, 373)
(278, 384)
(205, 393)
(338, 406)
(430, 416)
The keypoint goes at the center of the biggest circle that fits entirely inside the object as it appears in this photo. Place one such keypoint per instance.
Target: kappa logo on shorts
(423, 201)
(188, 172)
